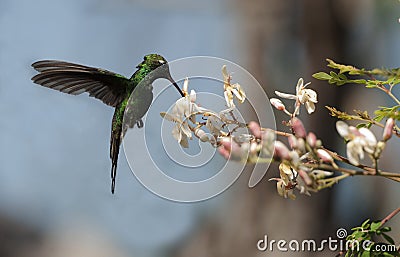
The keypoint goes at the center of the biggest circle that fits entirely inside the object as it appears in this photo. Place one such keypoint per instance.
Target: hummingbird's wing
(76, 79)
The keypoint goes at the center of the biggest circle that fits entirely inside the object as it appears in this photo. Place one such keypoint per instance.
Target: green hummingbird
(111, 88)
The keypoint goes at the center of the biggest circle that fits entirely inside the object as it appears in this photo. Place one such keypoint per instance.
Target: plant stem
(390, 216)
(331, 181)
(353, 172)
(393, 97)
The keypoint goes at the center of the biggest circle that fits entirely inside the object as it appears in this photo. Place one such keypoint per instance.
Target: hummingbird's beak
(175, 85)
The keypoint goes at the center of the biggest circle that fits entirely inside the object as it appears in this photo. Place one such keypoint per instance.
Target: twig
(390, 216)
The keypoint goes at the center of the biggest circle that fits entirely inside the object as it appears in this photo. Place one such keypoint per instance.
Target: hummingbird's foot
(139, 123)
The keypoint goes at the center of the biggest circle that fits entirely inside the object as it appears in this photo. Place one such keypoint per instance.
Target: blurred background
(54, 164)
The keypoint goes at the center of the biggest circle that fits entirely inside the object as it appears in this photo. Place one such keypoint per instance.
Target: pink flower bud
(298, 128)
(305, 177)
(281, 151)
(388, 131)
(255, 129)
(231, 149)
(277, 104)
(311, 139)
(324, 155)
(292, 142)
(224, 152)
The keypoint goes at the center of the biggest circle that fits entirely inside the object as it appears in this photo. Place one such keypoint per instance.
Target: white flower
(287, 181)
(181, 113)
(305, 96)
(288, 174)
(284, 191)
(231, 90)
(359, 141)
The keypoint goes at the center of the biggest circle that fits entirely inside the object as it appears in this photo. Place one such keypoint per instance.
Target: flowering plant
(305, 165)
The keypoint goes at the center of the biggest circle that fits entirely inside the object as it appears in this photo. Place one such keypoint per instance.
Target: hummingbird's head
(153, 61)
(156, 62)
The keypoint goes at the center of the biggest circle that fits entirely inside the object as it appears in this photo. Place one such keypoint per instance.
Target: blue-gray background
(54, 165)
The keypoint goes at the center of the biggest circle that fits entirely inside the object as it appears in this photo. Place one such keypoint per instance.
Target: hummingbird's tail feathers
(76, 79)
(114, 152)
(115, 142)
(113, 176)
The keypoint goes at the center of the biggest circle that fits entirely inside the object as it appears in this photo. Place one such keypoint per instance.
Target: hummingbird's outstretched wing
(76, 79)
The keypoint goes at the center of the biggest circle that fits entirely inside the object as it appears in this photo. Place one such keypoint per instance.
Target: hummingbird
(111, 88)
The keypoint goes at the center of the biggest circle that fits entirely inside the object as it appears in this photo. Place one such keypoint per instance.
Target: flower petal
(310, 106)
(225, 73)
(354, 152)
(185, 86)
(368, 135)
(299, 85)
(311, 95)
(285, 95)
(343, 129)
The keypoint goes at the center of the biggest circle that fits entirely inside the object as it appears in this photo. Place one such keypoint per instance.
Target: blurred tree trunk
(252, 213)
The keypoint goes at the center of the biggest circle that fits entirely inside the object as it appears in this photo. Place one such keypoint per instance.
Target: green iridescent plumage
(111, 88)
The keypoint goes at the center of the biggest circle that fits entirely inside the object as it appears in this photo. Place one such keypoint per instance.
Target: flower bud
(379, 148)
(321, 174)
(275, 102)
(388, 131)
(281, 151)
(307, 180)
(232, 150)
(255, 129)
(294, 157)
(224, 152)
(311, 139)
(298, 128)
(324, 155)
(301, 145)
(292, 142)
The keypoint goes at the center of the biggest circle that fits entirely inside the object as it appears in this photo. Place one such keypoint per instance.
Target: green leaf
(365, 224)
(358, 81)
(322, 76)
(388, 112)
(359, 234)
(388, 238)
(365, 254)
(375, 225)
(371, 84)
